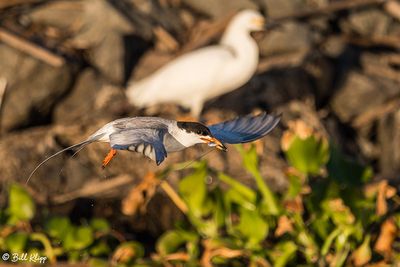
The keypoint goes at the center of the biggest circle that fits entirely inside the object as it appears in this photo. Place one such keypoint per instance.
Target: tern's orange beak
(214, 142)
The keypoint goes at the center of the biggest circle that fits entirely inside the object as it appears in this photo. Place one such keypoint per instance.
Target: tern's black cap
(194, 127)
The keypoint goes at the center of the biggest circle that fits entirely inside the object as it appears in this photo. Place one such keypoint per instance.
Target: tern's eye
(199, 132)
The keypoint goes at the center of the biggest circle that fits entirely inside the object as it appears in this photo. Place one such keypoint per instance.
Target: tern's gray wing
(244, 129)
(147, 141)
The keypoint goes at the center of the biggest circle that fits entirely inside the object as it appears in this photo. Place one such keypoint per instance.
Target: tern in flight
(155, 137)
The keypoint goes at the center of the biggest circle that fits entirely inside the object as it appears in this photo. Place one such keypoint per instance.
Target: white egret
(193, 78)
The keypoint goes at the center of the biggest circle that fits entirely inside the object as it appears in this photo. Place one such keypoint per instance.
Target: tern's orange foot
(109, 157)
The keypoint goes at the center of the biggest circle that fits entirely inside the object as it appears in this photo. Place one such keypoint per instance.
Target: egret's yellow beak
(212, 141)
(258, 22)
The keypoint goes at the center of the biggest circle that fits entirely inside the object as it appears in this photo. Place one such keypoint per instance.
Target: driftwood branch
(10, 3)
(30, 48)
(93, 189)
(3, 88)
(333, 7)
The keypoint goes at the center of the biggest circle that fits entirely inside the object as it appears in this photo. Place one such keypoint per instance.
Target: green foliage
(283, 253)
(58, 227)
(16, 242)
(78, 238)
(20, 205)
(251, 227)
(250, 163)
(308, 155)
(325, 217)
(347, 171)
(172, 240)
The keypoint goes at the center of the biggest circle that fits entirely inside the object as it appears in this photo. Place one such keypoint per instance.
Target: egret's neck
(244, 59)
(241, 43)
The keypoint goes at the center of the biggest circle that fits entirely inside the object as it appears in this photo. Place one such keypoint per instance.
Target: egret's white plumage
(198, 76)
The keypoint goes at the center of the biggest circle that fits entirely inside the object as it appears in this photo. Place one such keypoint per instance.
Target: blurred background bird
(193, 78)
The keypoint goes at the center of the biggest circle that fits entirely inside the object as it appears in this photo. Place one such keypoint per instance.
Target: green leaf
(295, 186)
(16, 242)
(132, 250)
(250, 162)
(101, 248)
(283, 253)
(306, 239)
(308, 155)
(128, 252)
(95, 262)
(57, 227)
(362, 255)
(48, 249)
(321, 225)
(252, 227)
(340, 257)
(218, 212)
(100, 225)
(346, 171)
(78, 238)
(342, 239)
(20, 204)
(75, 256)
(247, 193)
(329, 240)
(169, 242)
(339, 213)
(194, 190)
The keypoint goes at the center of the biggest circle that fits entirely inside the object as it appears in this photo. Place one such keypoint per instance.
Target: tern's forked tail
(78, 146)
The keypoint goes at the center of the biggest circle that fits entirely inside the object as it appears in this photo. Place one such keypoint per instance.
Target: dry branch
(3, 87)
(329, 9)
(10, 3)
(94, 188)
(174, 197)
(30, 48)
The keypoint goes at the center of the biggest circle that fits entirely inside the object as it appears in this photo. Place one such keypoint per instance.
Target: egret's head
(249, 19)
(196, 133)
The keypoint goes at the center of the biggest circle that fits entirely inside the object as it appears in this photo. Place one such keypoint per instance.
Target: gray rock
(33, 88)
(103, 33)
(333, 46)
(108, 57)
(79, 104)
(370, 22)
(322, 73)
(283, 7)
(28, 149)
(360, 93)
(219, 8)
(290, 37)
(270, 89)
(91, 99)
(61, 14)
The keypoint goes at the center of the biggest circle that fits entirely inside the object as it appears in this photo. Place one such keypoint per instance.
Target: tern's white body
(156, 137)
(175, 141)
(198, 76)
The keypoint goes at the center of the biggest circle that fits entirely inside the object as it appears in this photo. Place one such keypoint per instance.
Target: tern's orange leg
(109, 157)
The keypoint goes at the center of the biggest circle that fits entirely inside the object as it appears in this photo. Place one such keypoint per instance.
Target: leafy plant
(328, 216)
